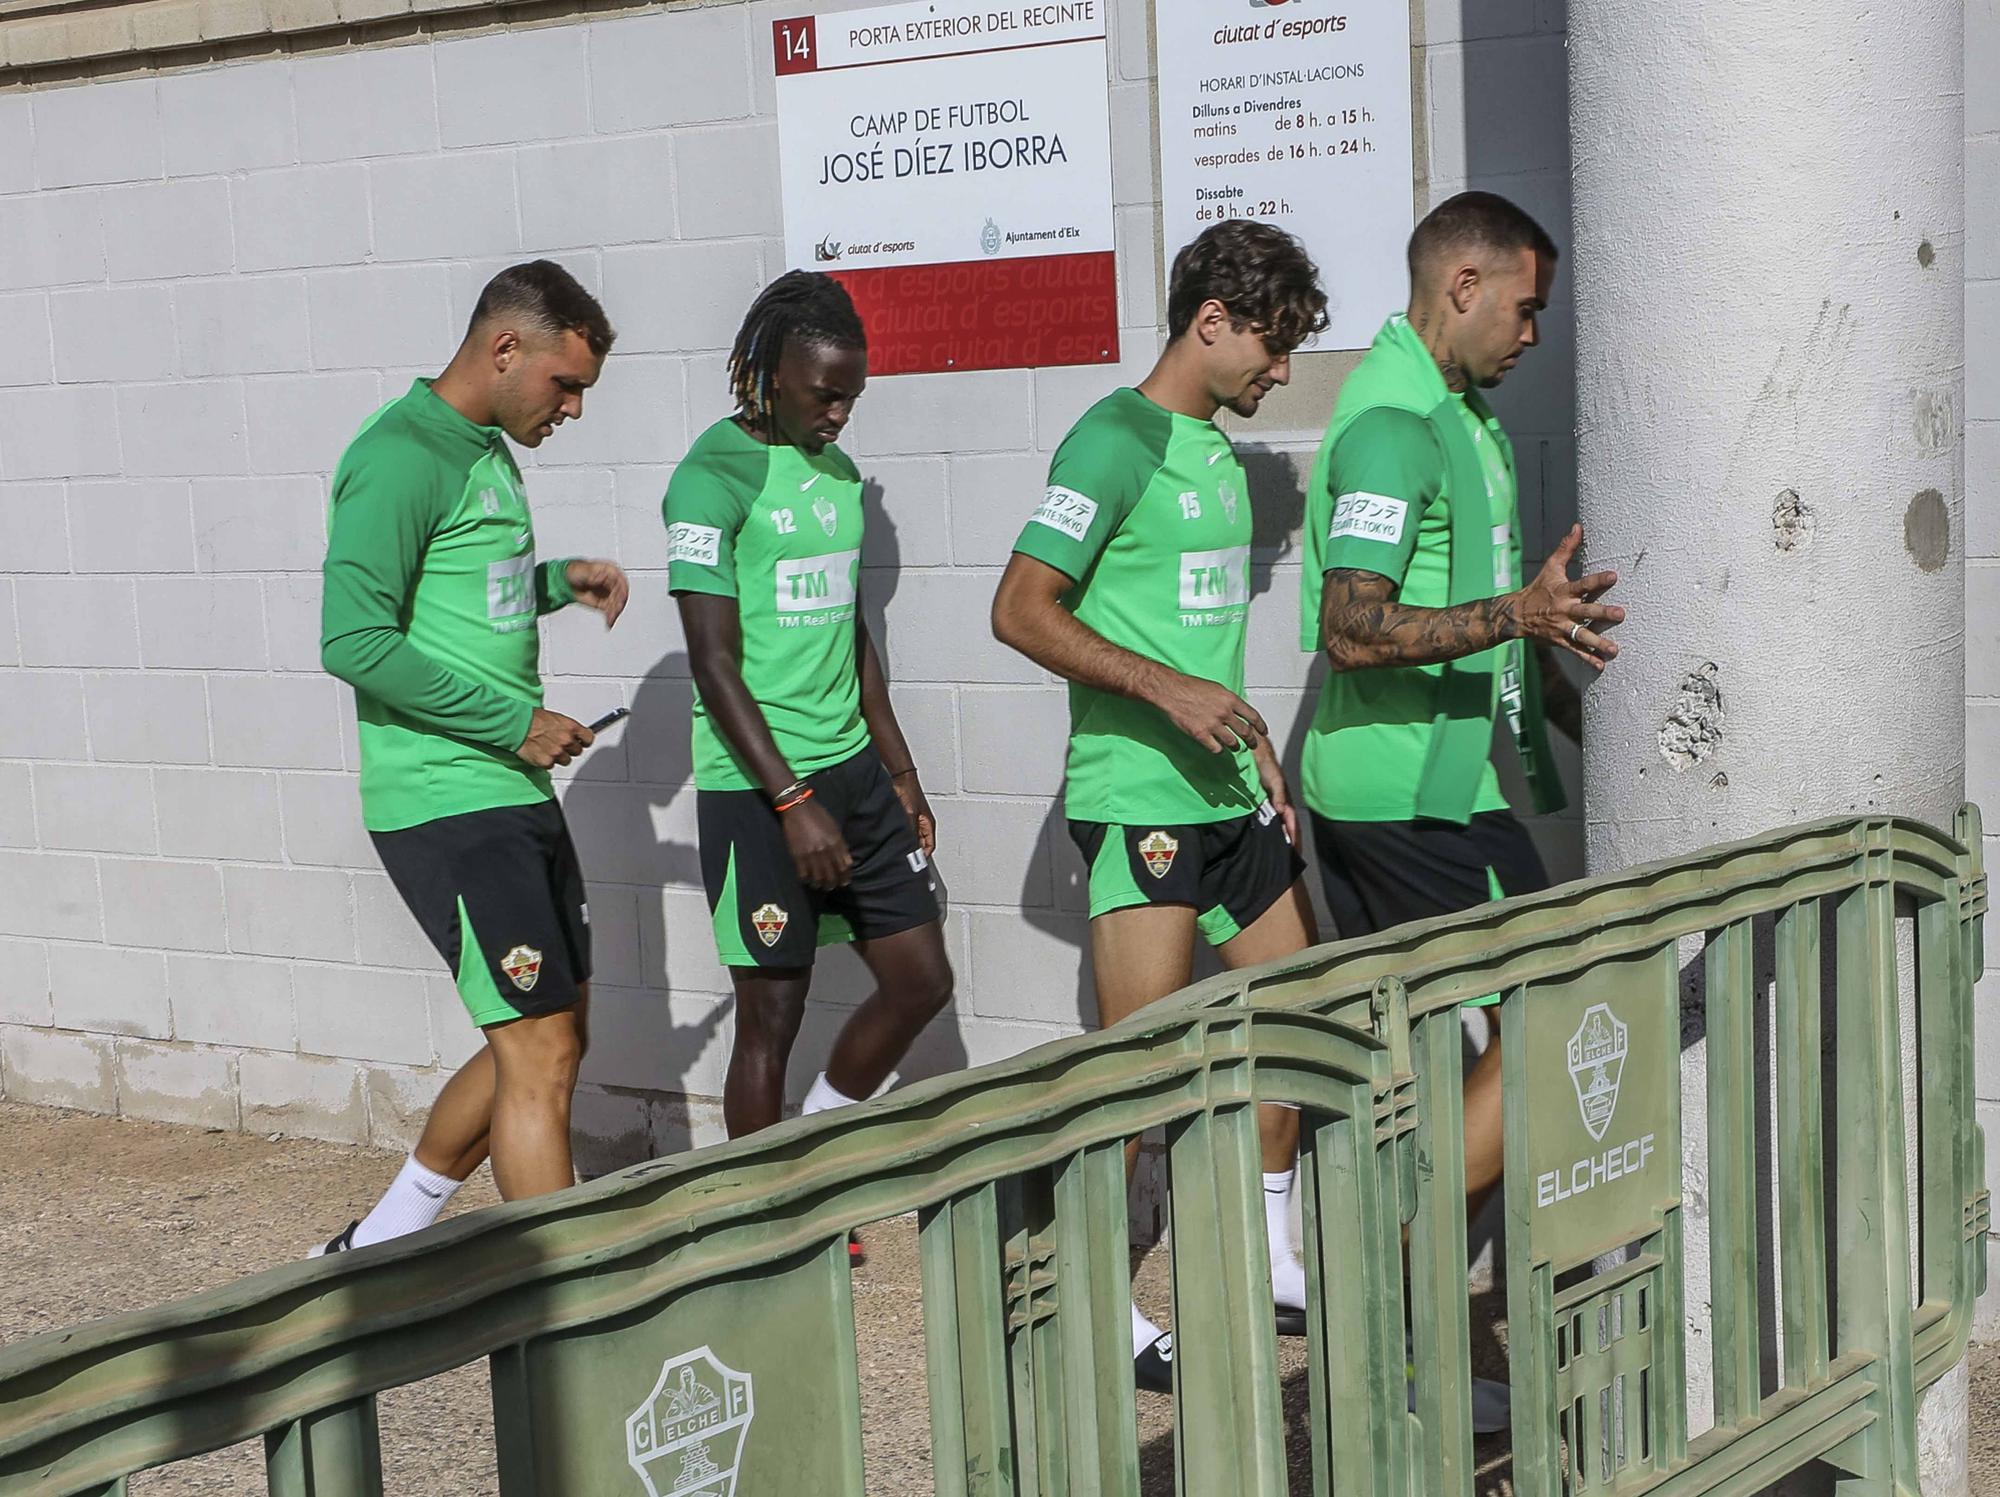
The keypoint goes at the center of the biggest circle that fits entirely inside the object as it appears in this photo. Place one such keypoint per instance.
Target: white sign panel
(1297, 114)
(951, 163)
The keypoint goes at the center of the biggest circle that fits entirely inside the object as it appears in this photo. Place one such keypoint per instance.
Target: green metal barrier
(685, 1328)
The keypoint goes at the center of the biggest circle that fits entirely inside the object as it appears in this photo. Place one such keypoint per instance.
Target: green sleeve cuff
(552, 589)
(1053, 550)
(686, 579)
(517, 732)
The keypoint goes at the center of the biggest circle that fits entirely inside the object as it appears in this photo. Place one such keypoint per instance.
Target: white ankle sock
(1278, 1210)
(824, 1096)
(1144, 1332)
(416, 1199)
(1288, 1275)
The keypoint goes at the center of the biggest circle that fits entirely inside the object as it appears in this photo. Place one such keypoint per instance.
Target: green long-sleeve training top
(431, 597)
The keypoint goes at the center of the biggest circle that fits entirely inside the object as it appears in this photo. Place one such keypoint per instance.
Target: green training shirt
(779, 530)
(431, 597)
(1385, 506)
(1148, 512)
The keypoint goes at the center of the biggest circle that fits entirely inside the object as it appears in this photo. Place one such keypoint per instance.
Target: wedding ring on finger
(1574, 630)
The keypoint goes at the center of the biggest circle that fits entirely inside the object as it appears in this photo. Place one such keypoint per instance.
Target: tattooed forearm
(1562, 703)
(1362, 626)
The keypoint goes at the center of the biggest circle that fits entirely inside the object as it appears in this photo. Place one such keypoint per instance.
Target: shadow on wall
(941, 1048)
(1515, 114)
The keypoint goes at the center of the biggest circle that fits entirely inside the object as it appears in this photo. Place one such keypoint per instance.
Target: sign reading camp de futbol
(1296, 112)
(950, 162)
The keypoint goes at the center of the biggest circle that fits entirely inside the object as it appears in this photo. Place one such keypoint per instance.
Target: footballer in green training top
(1132, 581)
(813, 824)
(1413, 589)
(432, 592)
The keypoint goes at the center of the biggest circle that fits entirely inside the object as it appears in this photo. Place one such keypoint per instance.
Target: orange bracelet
(798, 800)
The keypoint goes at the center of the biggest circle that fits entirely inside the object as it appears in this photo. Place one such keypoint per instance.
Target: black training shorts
(1230, 871)
(501, 896)
(764, 914)
(1379, 874)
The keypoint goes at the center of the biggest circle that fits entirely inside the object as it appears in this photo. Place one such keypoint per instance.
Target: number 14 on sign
(794, 45)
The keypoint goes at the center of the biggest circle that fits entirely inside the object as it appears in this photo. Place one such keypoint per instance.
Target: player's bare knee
(540, 1050)
(933, 992)
(769, 1022)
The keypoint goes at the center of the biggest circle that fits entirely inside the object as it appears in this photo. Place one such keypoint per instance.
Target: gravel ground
(100, 1215)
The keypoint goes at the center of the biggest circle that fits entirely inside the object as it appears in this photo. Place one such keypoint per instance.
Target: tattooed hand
(1362, 626)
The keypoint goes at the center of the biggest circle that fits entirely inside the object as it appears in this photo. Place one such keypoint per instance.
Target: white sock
(416, 1199)
(824, 1096)
(1288, 1275)
(1144, 1332)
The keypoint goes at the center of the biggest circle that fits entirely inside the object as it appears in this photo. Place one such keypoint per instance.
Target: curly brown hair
(1259, 272)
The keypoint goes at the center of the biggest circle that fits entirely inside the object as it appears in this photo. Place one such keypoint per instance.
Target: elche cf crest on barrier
(1596, 1061)
(687, 1438)
(1158, 849)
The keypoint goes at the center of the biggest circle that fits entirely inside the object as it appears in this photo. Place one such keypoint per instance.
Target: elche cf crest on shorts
(1596, 1062)
(769, 922)
(687, 1438)
(1158, 849)
(523, 966)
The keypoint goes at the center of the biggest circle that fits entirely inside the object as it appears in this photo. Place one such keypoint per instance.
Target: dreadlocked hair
(800, 304)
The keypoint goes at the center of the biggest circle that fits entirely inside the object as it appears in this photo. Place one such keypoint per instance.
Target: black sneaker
(341, 1242)
(1153, 1368)
(1291, 1322)
(856, 1253)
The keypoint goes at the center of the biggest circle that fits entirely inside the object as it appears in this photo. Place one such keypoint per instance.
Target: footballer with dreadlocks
(814, 828)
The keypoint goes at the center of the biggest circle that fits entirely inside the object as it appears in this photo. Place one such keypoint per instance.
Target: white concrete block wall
(1982, 536)
(208, 279)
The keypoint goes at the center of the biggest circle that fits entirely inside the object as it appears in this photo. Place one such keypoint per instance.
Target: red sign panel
(988, 314)
(795, 45)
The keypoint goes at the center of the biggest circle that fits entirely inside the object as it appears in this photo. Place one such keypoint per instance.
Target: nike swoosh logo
(810, 482)
(1214, 458)
(435, 1195)
(524, 538)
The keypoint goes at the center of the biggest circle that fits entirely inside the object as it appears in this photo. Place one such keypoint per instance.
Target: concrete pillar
(1768, 271)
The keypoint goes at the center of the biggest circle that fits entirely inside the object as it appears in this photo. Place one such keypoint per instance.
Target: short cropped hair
(1476, 221)
(1259, 272)
(542, 295)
